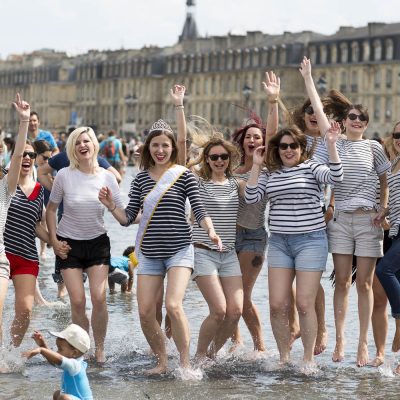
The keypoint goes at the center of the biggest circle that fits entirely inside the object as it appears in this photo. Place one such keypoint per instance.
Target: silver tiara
(160, 125)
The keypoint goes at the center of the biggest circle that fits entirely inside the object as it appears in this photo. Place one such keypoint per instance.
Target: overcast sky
(76, 26)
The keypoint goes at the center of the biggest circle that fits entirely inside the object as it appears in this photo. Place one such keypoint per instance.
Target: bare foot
(293, 337)
(321, 342)
(362, 355)
(377, 361)
(397, 370)
(396, 341)
(235, 346)
(100, 356)
(158, 370)
(338, 353)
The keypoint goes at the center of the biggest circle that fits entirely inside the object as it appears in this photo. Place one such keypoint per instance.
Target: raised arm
(272, 86)
(177, 95)
(23, 110)
(322, 120)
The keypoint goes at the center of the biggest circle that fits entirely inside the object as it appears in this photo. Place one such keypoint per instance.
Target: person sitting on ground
(121, 271)
(72, 343)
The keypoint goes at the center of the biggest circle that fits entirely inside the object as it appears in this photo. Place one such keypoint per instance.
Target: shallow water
(243, 375)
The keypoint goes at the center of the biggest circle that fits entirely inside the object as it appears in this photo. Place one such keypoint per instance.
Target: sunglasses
(353, 117)
(285, 146)
(215, 157)
(309, 110)
(396, 135)
(31, 154)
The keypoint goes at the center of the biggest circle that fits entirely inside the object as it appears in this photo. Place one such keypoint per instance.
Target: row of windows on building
(363, 50)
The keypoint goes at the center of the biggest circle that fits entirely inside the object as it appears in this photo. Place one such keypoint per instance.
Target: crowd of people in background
(204, 203)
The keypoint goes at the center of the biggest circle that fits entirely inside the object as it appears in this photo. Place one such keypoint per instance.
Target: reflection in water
(244, 374)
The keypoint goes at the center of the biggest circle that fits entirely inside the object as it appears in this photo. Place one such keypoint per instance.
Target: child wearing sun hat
(72, 343)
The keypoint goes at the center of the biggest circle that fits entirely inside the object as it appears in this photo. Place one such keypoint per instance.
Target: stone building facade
(127, 90)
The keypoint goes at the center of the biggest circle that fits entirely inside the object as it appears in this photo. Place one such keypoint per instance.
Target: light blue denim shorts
(211, 262)
(300, 251)
(157, 266)
(251, 240)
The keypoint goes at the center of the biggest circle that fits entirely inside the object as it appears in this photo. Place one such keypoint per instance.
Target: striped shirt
(394, 200)
(83, 216)
(5, 201)
(168, 230)
(294, 195)
(250, 216)
(320, 151)
(23, 215)
(363, 161)
(221, 203)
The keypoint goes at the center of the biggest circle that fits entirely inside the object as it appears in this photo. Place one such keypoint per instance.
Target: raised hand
(258, 155)
(305, 67)
(333, 133)
(105, 197)
(272, 86)
(38, 338)
(177, 94)
(22, 107)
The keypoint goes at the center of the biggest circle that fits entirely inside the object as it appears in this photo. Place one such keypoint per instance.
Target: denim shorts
(157, 266)
(353, 233)
(251, 240)
(211, 262)
(300, 251)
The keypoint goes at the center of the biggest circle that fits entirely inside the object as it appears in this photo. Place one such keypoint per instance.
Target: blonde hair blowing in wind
(71, 143)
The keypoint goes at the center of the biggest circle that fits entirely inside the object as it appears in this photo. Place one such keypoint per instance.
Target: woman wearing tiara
(163, 242)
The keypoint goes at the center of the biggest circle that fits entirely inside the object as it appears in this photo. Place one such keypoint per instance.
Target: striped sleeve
(193, 194)
(324, 174)
(133, 208)
(381, 162)
(57, 192)
(254, 194)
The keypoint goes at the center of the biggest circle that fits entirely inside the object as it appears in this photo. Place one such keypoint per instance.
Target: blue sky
(76, 26)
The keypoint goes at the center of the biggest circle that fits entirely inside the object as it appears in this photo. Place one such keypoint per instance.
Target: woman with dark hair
(8, 187)
(82, 227)
(251, 235)
(298, 245)
(217, 272)
(163, 242)
(355, 228)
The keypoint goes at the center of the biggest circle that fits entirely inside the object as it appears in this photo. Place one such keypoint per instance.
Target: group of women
(227, 188)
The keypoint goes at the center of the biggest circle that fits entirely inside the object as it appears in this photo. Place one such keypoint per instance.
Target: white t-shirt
(83, 212)
(5, 200)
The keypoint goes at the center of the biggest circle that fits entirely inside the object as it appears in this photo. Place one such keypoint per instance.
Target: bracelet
(273, 101)
(180, 107)
(24, 120)
(331, 206)
(113, 208)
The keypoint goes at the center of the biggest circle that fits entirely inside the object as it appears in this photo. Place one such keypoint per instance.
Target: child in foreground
(72, 343)
(121, 271)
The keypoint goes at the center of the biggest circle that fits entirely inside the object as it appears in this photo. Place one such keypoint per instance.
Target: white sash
(154, 197)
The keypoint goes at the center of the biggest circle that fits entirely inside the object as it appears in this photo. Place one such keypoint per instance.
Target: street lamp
(247, 91)
(322, 84)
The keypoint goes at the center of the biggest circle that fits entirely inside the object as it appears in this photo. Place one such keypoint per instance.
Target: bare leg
(322, 334)
(343, 267)
(211, 289)
(61, 290)
(24, 297)
(97, 275)
(379, 322)
(396, 339)
(177, 281)
(39, 299)
(307, 285)
(280, 282)
(365, 274)
(294, 318)
(73, 279)
(250, 265)
(3, 294)
(148, 289)
(233, 292)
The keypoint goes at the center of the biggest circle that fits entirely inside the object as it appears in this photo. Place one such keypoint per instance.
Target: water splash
(188, 374)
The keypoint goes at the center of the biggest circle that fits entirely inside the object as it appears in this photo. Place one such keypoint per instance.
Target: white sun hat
(76, 336)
